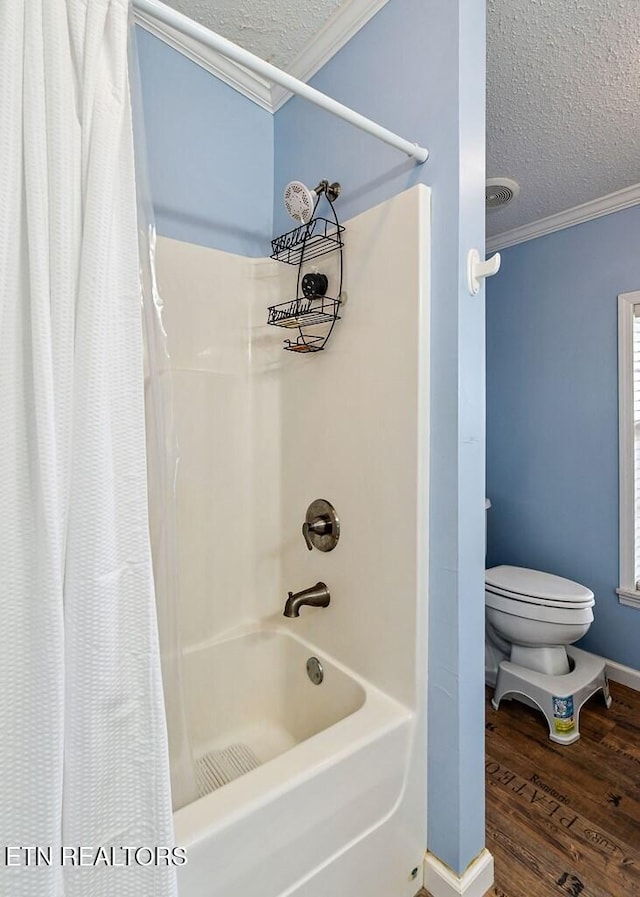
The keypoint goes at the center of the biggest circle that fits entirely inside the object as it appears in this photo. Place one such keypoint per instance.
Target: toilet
(531, 617)
(532, 620)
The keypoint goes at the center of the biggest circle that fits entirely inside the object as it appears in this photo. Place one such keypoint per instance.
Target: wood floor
(565, 820)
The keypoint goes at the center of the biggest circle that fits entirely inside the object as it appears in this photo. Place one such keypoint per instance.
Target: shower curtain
(163, 462)
(85, 807)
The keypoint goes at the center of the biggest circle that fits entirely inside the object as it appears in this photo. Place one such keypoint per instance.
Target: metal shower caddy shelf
(304, 312)
(310, 240)
(318, 237)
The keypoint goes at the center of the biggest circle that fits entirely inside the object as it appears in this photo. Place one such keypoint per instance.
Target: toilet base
(560, 698)
(550, 660)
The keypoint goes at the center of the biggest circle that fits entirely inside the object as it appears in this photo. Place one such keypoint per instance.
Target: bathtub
(327, 765)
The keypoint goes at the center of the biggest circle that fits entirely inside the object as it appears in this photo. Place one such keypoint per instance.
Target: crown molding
(595, 208)
(339, 28)
(252, 86)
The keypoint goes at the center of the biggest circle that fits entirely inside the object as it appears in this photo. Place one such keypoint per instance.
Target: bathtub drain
(217, 768)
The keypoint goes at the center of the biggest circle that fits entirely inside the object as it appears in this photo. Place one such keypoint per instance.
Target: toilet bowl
(531, 618)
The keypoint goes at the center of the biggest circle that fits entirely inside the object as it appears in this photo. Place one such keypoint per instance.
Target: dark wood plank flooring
(565, 820)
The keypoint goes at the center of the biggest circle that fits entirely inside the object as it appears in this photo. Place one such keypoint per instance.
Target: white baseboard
(618, 672)
(475, 881)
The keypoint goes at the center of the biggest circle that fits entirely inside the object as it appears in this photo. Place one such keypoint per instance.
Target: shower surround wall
(348, 420)
(263, 432)
(206, 318)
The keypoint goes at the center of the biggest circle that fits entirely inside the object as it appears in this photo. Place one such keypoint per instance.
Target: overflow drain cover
(315, 671)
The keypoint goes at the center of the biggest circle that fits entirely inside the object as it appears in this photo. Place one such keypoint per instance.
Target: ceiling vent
(500, 191)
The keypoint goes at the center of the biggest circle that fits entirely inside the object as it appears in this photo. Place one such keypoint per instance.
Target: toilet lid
(536, 587)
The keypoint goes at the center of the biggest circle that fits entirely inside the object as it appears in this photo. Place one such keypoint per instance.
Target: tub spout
(316, 596)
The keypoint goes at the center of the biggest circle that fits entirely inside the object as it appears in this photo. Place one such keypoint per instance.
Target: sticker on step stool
(563, 718)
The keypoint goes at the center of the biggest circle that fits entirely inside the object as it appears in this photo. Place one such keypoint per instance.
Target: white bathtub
(333, 764)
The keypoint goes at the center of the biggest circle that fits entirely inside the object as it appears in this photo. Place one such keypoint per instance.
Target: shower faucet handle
(321, 528)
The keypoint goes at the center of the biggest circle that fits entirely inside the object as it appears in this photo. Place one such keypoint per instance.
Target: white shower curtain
(83, 755)
(163, 459)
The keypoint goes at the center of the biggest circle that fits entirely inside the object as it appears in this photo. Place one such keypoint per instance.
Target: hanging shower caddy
(313, 238)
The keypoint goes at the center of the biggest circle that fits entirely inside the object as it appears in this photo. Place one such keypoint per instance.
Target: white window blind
(629, 441)
(636, 443)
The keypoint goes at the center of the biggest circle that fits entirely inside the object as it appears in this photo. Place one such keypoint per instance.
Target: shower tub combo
(310, 768)
(307, 790)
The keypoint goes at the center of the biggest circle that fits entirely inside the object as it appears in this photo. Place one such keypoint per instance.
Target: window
(629, 424)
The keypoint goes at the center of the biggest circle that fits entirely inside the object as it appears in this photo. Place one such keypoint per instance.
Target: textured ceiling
(563, 89)
(276, 30)
(563, 103)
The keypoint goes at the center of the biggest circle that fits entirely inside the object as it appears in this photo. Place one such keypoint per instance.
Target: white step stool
(560, 698)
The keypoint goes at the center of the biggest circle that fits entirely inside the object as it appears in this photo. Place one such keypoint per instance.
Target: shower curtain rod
(181, 23)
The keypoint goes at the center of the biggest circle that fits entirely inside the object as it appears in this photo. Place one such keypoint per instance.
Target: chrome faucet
(316, 596)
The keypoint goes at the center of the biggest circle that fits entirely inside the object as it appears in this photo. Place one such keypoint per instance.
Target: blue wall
(418, 68)
(552, 414)
(210, 153)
